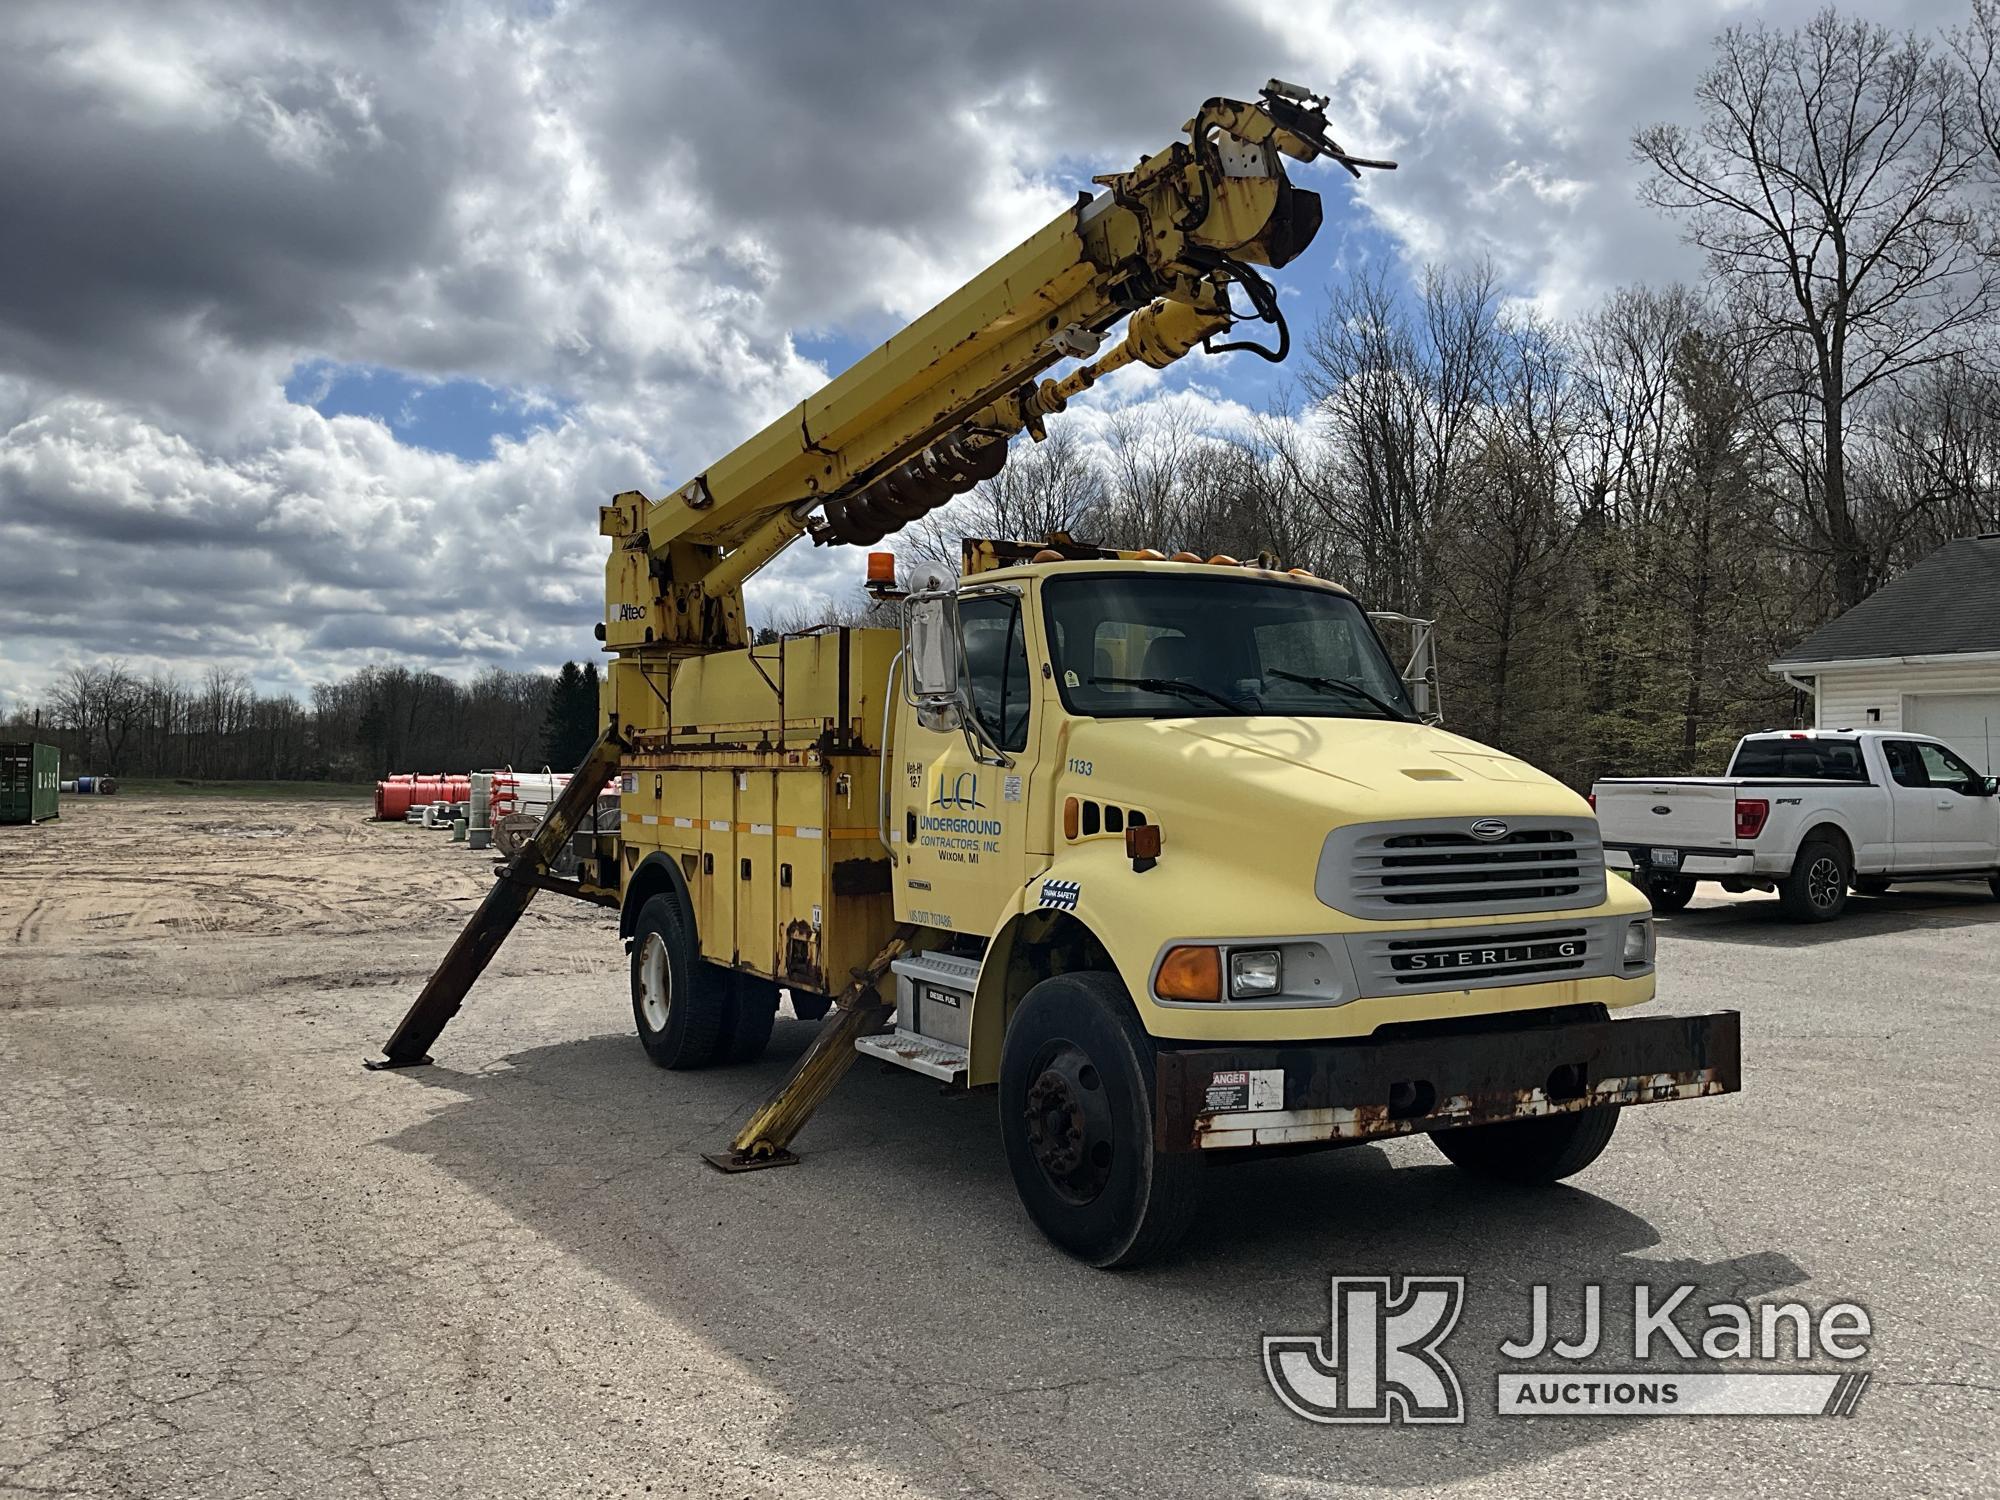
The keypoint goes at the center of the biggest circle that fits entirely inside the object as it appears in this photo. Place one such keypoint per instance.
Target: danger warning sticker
(1236, 1090)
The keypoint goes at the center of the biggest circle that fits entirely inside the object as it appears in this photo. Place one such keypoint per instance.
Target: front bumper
(1211, 1098)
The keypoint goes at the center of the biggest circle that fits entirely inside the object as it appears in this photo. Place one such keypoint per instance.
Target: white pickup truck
(1810, 813)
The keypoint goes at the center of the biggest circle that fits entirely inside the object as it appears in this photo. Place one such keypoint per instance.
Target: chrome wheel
(1825, 881)
(656, 985)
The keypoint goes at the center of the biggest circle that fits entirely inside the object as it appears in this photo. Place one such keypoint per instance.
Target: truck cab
(1179, 823)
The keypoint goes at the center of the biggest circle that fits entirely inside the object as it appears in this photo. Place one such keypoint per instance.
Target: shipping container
(28, 782)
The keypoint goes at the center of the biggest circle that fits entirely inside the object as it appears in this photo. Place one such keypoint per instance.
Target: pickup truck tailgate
(1684, 813)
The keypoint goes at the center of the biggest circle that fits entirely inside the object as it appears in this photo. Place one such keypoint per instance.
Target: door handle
(1944, 804)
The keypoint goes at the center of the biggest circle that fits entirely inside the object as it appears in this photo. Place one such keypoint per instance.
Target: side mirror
(932, 654)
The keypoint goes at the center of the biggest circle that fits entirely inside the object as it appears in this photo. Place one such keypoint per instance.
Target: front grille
(1437, 867)
(1426, 869)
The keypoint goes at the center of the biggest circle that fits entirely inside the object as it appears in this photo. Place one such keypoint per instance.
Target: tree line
(110, 720)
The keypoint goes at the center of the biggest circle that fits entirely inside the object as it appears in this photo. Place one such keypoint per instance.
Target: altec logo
(1380, 1362)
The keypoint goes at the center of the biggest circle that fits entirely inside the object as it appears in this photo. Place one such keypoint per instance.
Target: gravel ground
(232, 1263)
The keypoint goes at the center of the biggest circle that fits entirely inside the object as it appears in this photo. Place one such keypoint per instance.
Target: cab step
(920, 1054)
(933, 1016)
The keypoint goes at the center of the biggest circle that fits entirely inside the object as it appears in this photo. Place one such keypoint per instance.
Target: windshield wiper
(1342, 685)
(1173, 685)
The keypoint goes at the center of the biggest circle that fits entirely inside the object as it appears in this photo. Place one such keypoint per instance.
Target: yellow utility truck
(1162, 850)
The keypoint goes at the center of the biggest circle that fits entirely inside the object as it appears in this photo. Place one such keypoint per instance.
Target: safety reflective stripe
(760, 830)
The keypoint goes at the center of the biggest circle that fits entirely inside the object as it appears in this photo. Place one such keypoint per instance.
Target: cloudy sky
(325, 328)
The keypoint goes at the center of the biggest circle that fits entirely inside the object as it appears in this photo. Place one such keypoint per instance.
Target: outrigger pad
(381, 1064)
(729, 1161)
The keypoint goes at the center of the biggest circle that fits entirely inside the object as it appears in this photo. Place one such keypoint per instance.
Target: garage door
(1968, 722)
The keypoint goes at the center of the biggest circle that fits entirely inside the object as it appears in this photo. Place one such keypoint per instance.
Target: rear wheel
(1530, 1152)
(680, 1005)
(1076, 1117)
(1668, 893)
(754, 1006)
(1816, 889)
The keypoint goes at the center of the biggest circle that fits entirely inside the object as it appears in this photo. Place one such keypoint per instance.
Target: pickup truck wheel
(679, 1004)
(1076, 1118)
(1816, 889)
(1668, 893)
(1531, 1152)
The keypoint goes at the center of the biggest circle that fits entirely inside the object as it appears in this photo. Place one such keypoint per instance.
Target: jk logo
(1380, 1362)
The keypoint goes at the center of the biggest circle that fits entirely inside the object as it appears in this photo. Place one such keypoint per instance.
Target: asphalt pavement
(232, 1263)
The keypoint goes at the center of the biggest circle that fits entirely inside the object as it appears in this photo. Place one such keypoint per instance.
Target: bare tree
(1828, 183)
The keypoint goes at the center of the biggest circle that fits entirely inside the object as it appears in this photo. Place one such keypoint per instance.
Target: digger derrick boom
(929, 414)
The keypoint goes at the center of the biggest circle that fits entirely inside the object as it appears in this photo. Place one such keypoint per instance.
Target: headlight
(1638, 942)
(1255, 971)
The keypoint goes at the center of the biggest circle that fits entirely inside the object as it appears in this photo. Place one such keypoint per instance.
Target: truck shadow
(893, 1295)
(1759, 920)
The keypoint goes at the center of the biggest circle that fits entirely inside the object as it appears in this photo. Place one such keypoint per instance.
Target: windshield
(1148, 646)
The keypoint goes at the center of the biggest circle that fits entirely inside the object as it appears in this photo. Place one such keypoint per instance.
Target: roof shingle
(1948, 602)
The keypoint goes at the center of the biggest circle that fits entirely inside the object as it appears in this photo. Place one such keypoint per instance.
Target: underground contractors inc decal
(1386, 1355)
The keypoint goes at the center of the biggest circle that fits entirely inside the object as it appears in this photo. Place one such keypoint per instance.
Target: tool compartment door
(802, 903)
(756, 869)
(715, 893)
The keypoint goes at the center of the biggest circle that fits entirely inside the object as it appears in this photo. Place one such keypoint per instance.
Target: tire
(1870, 885)
(680, 1005)
(1816, 889)
(1668, 893)
(753, 1009)
(1076, 1118)
(1994, 886)
(1530, 1153)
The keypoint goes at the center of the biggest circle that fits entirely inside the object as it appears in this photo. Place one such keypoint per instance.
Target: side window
(1945, 769)
(1904, 764)
(996, 664)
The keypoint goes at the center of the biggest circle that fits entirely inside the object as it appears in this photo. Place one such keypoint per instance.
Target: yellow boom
(929, 414)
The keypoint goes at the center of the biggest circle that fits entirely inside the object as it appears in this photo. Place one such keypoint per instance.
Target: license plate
(1496, 955)
(1666, 859)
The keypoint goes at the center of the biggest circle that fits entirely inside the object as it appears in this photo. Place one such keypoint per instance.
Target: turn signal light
(1072, 812)
(1750, 815)
(1190, 974)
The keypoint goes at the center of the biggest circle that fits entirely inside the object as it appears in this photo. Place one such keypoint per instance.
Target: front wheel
(1816, 889)
(1531, 1153)
(1076, 1118)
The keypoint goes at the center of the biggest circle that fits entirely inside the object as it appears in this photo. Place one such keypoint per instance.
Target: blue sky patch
(457, 416)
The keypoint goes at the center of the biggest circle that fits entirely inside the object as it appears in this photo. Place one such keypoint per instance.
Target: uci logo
(1380, 1362)
(963, 795)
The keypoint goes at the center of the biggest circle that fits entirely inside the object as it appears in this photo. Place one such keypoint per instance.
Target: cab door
(1963, 831)
(962, 818)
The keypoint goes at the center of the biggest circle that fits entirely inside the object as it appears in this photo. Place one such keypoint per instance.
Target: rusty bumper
(1336, 1092)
